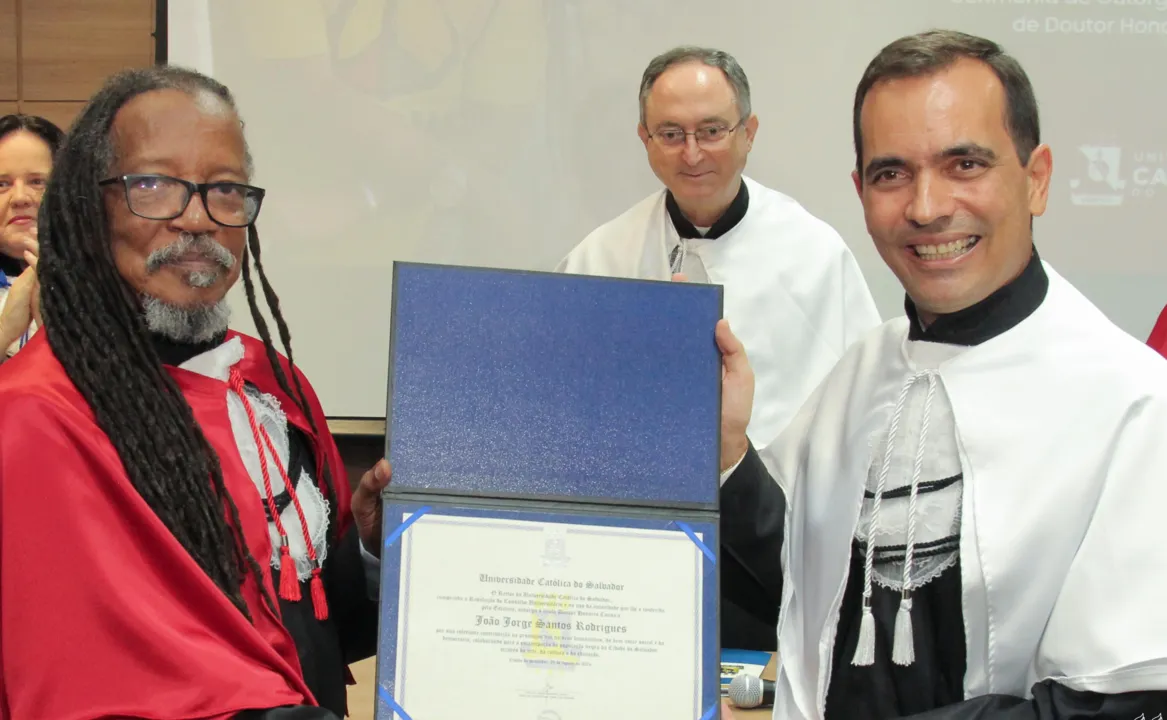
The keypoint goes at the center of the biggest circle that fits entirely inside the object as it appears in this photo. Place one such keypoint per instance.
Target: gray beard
(186, 324)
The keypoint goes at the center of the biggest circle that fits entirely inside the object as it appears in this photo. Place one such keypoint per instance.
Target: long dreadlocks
(94, 324)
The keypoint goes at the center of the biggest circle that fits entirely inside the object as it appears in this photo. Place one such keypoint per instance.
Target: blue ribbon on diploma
(394, 537)
(385, 696)
(684, 527)
(405, 526)
(700, 546)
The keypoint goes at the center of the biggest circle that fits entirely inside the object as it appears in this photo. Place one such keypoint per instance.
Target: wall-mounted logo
(1108, 176)
(1103, 185)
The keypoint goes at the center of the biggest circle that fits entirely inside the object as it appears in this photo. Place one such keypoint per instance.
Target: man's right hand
(737, 396)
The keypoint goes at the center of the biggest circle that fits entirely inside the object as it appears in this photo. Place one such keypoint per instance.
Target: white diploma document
(502, 619)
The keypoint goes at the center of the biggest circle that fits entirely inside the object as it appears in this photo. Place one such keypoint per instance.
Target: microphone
(750, 691)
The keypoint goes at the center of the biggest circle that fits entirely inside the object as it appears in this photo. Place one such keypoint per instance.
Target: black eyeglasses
(161, 197)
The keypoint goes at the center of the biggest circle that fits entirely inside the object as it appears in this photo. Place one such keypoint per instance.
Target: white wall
(499, 132)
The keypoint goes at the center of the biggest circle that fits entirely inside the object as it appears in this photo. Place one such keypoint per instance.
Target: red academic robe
(1158, 338)
(102, 612)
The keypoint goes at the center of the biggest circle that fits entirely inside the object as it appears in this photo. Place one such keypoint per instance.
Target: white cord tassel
(903, 649)
(865, 649)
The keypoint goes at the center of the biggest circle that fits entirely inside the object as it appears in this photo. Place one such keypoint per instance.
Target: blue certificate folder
(551, 401)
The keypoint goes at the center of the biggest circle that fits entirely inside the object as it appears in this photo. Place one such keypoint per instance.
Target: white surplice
(1061, 432)
(793, 293)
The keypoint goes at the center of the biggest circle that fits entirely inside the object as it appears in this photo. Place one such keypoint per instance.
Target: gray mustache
(201, 245)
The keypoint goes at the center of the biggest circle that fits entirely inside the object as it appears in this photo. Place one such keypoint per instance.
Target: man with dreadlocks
(176, 535)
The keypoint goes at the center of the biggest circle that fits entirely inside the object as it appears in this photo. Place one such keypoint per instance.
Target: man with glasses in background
(794, 295)
(179, 538)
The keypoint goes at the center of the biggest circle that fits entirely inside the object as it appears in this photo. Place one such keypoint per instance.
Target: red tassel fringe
(289, 582)
(319, 602)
